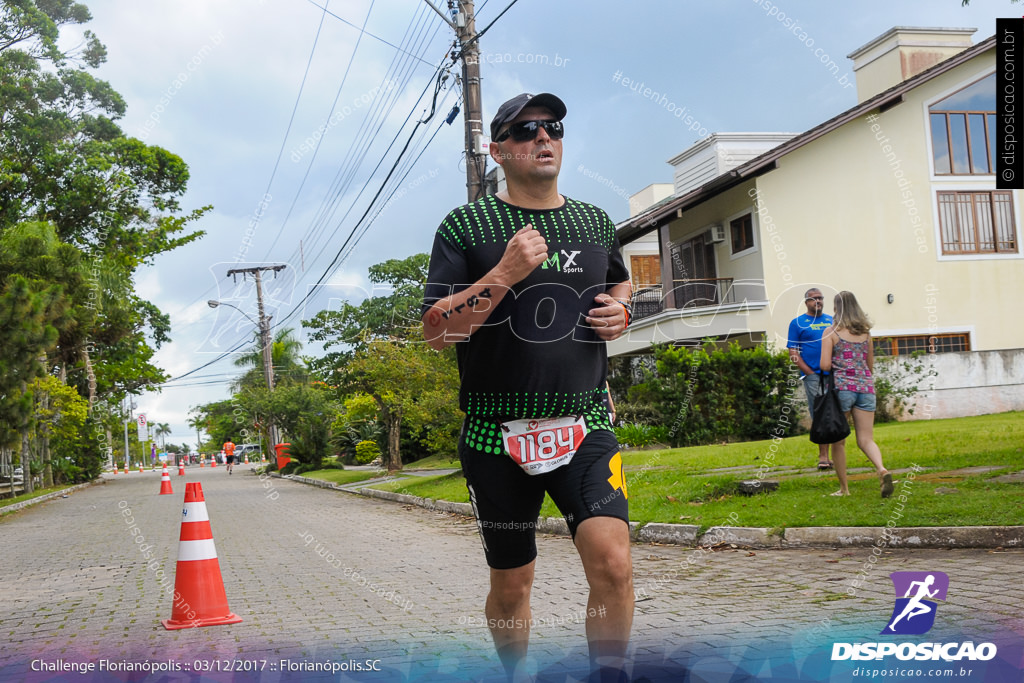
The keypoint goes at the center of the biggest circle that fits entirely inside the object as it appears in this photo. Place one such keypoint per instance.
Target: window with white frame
(977, 222)
(907, 344)
(963, 129)
(741, 233)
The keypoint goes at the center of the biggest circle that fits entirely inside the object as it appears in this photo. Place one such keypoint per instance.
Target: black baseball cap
(511, 109)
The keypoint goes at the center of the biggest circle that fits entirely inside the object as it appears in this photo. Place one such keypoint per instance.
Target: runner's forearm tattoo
(472, 301)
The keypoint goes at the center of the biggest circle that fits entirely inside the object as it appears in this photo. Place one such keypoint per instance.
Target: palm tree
(197, 422)
(284, 356)
(162, 430)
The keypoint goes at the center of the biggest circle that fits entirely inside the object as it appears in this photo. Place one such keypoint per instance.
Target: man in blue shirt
(805, 350)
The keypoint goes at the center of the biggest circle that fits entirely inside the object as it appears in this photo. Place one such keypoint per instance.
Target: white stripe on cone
(195, 512)
(196, 550)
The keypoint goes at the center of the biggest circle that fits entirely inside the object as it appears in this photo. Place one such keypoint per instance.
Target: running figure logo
(914, 613)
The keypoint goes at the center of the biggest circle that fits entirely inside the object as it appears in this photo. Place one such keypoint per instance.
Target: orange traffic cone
(246, 458)
(165, 482)
(141, 471)
(181, 468)
(213, 461)
(115, 468)
(197, 581)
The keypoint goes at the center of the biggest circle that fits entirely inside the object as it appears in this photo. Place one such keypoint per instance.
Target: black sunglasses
(524, 131)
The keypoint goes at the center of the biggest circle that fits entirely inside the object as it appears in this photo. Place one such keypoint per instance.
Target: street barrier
(199, 597)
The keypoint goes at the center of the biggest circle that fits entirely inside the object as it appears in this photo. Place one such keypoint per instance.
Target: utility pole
(264, 322)
(476, 160)
(476, 156)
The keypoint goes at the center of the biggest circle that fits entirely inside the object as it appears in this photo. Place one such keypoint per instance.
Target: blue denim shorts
(854, 399)
(811, 389)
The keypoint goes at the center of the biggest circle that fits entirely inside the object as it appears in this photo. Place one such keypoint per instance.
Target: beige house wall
(857, 210)
(724, 208)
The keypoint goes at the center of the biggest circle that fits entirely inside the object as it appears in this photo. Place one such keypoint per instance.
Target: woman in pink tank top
(847, 352)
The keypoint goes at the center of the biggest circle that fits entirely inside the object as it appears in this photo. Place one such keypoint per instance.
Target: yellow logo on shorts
(617, 481)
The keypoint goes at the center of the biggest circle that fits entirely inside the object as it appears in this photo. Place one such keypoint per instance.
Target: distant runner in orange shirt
(229, 455)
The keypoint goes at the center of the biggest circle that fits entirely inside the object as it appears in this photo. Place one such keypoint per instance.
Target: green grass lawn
(344, 476)
(29, 496)
(679, 486)
(435, 462)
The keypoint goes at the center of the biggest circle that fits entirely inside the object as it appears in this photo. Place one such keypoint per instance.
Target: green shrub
(637, 413)
(897, 380)
(310, 442)
(332, 464)
(65, 471)
(713, 394)
(367, 452)
(640, 435)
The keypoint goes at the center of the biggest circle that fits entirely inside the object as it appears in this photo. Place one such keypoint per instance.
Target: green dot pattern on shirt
(482, 434)
(490, 220)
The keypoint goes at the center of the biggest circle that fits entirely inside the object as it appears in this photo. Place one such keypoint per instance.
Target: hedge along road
(328, 582)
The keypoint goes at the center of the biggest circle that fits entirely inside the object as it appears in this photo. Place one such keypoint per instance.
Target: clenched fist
(524, 252)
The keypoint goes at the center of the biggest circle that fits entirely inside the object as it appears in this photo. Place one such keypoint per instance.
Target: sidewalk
(690, 536)
(323, 582)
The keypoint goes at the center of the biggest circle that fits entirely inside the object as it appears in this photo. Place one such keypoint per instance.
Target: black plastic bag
(829, 424)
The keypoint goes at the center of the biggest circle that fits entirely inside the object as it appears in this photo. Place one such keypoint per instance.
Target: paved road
(329, 578)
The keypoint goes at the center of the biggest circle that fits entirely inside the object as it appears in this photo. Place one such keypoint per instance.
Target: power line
(219, 358)
(295, 107)
(337, 96)
(357, 151)
(359, 229)
(436, 79)
(329, 270)
(325, 11)
(487, 28)
(346, 21)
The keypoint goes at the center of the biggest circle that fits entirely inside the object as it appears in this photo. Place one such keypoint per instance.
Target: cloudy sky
(285, 110)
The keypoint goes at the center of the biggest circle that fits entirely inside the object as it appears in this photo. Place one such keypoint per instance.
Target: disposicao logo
(914, 614)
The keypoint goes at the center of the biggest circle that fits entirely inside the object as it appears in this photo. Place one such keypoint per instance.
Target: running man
(229, 455)
(529, 285)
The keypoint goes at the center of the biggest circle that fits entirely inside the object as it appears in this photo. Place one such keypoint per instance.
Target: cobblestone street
(324, 577)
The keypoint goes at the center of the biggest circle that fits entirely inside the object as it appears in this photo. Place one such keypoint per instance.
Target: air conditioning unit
(716, 233)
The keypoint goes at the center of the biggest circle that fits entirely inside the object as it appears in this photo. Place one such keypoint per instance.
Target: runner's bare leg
(508, 616)
(604, 547)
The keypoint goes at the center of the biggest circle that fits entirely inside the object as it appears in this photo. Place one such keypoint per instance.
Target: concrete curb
(49, 496)
(312, 482)
(748, 537)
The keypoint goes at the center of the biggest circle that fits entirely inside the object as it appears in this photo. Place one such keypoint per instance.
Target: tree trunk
(392, 418)
(44, 443)
(7, 456)
(92, 379)
(26, 461)
(394, 422)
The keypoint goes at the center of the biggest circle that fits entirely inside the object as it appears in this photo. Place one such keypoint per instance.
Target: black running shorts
(506, 500)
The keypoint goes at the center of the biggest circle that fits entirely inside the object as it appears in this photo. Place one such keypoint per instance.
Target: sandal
(839, 494)
(824, 466)
(886, 485)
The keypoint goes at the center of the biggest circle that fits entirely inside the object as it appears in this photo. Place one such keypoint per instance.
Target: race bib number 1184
(540, 446)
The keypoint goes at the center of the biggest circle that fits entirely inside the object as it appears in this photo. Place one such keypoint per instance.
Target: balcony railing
(688, 293)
